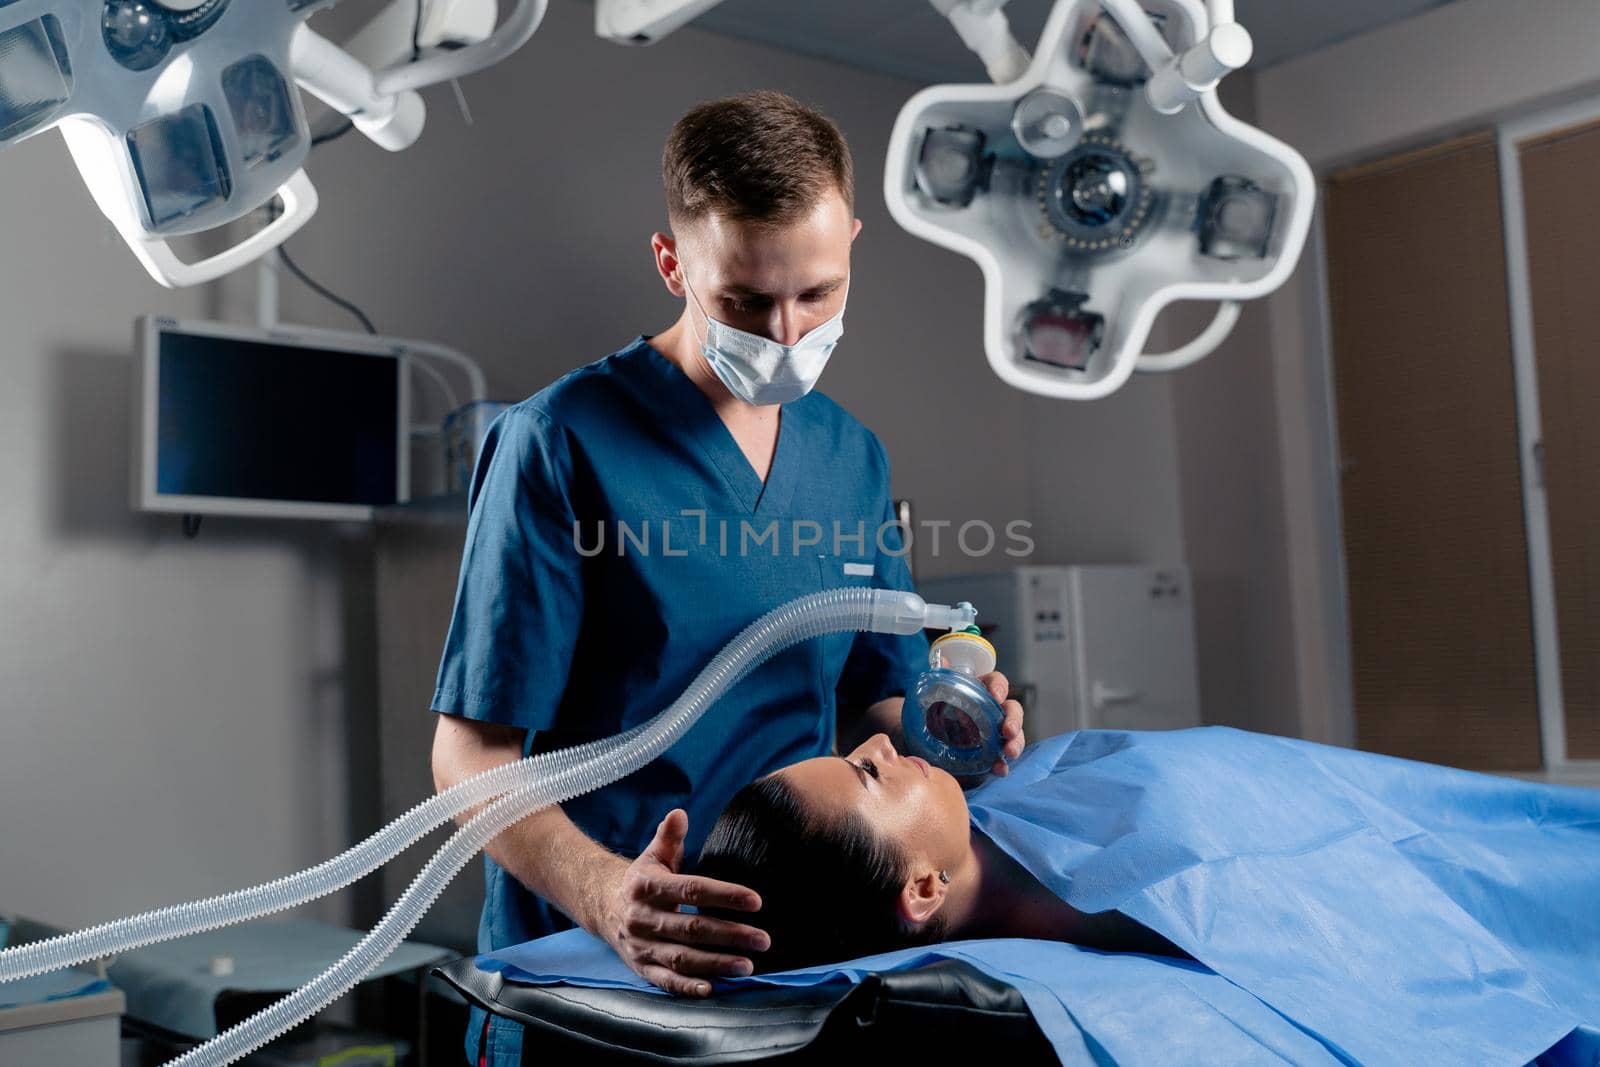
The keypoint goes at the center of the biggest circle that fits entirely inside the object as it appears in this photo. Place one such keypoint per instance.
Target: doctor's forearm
(553, 858)
(546, 851)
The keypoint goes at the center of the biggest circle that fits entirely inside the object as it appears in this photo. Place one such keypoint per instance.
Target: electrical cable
(334, 134)
(322, 290)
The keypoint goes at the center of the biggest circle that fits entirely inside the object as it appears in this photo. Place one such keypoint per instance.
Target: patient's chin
(951, 793)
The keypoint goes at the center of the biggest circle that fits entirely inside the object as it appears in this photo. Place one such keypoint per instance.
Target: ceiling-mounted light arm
(1205, 343)
(1224, 50)
(984, 28)
(509, 36)
(1141, 33)
(338, 79)
(399, 32)
(645, 21)
(1175, 80)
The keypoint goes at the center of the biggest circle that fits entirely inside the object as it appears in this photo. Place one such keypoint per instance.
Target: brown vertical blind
(1560, 174)
(1436, 554)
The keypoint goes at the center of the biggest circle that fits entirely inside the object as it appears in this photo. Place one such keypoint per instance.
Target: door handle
(1102, 695)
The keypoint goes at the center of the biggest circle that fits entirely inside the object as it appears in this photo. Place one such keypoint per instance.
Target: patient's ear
(921, 898)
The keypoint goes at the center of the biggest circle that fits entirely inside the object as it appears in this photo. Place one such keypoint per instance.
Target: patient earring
(944, 876)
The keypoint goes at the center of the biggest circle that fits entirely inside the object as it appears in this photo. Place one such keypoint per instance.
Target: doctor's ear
(922, 897)
(665, 248)
(855, 231)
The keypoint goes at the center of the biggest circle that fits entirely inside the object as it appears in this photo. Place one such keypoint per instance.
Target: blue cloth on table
(1342, 906)
(56, 985)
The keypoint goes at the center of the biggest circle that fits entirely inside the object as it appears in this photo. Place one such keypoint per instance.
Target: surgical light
(35, 79)
(951, 166)
(1112, 183)
(1057, 331)
(1047, 123)
(1235, 219)
(1105, 51)
(136, 36)
(183, 115)
(1096, 198)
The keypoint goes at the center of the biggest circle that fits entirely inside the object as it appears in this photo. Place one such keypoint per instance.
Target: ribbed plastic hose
(166, 924)
(402, 917)
(533, 783)
(810, 616)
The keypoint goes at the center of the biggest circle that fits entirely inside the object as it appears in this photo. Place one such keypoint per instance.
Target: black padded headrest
(942, 1008)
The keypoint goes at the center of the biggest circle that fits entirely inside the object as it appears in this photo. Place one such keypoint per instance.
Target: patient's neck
(995, 896)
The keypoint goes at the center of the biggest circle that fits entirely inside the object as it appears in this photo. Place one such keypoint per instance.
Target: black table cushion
(944, 1008)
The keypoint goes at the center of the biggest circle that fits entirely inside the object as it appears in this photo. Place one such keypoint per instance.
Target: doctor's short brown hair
(757, 157)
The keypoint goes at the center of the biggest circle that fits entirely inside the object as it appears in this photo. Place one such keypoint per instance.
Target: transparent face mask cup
(949, 717)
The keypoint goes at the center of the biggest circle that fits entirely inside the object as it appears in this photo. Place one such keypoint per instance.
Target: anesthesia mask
(949, 717)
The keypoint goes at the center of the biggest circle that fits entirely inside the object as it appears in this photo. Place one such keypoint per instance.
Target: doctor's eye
(870, 767)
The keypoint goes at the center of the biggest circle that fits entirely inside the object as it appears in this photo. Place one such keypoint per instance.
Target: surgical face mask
(759, 370)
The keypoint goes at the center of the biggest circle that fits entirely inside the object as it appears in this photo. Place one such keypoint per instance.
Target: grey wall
(1233, 525)
(1233, 511)
(171, 712)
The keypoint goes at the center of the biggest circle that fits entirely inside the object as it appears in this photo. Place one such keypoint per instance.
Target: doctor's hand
(1011, 734)
(672, 949)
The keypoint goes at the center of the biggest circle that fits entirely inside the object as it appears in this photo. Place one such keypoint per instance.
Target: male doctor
(631, 518)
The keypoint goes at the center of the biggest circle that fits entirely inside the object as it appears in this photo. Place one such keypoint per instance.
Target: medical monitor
(286, 422)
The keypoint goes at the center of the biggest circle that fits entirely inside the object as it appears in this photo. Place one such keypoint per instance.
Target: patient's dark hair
(828, 886)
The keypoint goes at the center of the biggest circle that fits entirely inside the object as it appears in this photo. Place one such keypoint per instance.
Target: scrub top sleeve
(881, 666)
(519, 600)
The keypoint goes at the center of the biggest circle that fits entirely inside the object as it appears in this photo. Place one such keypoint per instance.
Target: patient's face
(908, 801)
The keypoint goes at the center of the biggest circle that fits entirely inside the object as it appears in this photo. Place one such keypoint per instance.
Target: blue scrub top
(618, 539)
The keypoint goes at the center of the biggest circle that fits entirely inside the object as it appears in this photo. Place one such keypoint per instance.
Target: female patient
(1394, 911)
(873, 851)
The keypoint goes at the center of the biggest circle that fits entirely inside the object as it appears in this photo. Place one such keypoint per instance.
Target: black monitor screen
(260, 421)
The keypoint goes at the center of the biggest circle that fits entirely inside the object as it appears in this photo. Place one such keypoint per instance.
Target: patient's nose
(882, 748)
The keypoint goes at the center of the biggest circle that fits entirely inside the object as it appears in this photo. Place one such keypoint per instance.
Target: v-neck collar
(682, 405)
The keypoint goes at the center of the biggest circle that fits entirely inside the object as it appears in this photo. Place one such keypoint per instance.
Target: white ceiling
(909, 39)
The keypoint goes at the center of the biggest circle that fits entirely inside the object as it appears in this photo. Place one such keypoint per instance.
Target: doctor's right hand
(676, 950)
